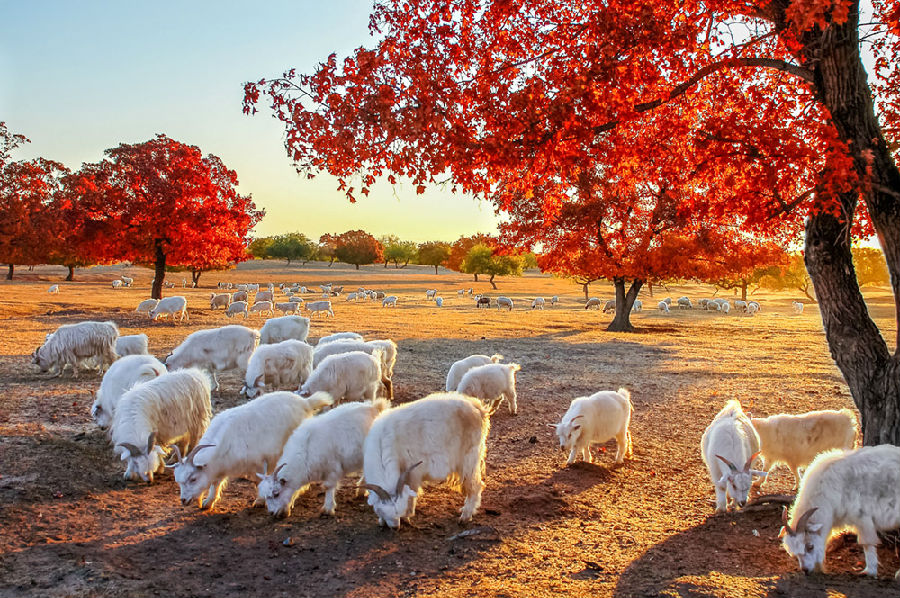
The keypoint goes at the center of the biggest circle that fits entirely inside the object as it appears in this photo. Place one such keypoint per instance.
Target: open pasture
(71, 526)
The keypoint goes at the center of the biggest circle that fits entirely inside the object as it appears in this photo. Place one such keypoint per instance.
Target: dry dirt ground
(70, 526)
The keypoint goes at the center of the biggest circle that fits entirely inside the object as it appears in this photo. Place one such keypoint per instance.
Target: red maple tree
(162, 202)
(357, 247)
(766, 105)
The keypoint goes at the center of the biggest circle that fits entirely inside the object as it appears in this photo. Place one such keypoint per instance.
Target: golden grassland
(71, 526)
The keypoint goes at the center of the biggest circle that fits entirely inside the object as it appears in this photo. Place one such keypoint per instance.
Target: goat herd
(335, 424)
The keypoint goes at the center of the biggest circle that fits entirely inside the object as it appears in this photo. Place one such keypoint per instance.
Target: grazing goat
(239, 442)
(593, 302)
(537, 303)
(77, 345)
(219, 300)
(728, 440)
(795, 440)
(339, 336)
(459, 368)
(320, 307)
(146, 305)
(284, 328)
(596, 419)
(174, 306)
(441, 437)
(492, 383)
(119, 378)
(325, 448)
(284, 364)
(171, 408)
(235, 308)
(132, 344)
(264, 307)
(215, 350)
(844, 490)
(353, 376)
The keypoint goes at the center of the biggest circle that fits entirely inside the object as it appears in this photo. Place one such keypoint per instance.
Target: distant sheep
(281, 365)
(481, 301)
(219, 300)
(430, 293)
(146, 305)
(844, 490)
(353, 376)
(171, 408)
(459, 368)
(729, 447)
(795, 440)
(263, 307)
(492, 383)
(323, 307)
(174, 306)
(797, 306)
(389, 301)
(441, 437)
(127, 281)
(240, 296)
(439, 301)
(594, 420)
(119, 378)
(638, 305)
(663, 307)
(752, 307)
(537, 303)
(325, 449)
(740, 305)
(609, 306)
(593, 302)
(554, 300)
(284, 328)
(239, 442)
(77, 345)
(53, 289)
(133, 344)
(288, 307)
(117, 284)
(504, 302)
(685, 303)
(265, 296)
(235, 308)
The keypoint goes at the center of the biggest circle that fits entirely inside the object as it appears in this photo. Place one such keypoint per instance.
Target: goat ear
(762, 474)
(814, 528)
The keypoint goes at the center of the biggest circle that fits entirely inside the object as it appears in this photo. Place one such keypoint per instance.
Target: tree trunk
(586, 288)
(435, 269)
(476, 277)
(744, 285)
(357, 266)
(491, 280)
(195, 278)
(624, 303)
(405, 264)
(288, 261)
(385, 263)
(9, 273)
(650, 288)
(159, 271)
(71, 275)
(856, 344)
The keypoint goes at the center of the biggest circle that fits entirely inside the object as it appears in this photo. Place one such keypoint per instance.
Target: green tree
(292, 247)
(259, 248)
(870, 265)
(791, 276)
(397, 251)
(358, 247)
(434, 253)
(482, 259)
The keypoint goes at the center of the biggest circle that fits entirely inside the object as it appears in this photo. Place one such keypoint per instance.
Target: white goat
(284, 364)
(596, 419)
(845, 490)
(132, 344)
(537, 303)
(352, 376)
(795, 440)
(239, 442)
(729, 440)
(389, 301)
(127, 281)
(638, 305)
(264, 307)
(492, 383)
(239, 296)
(264, 296)
(610, 306)
(236, 307)
(146, 305)
(280, 329)
(439, 301)
(324, 449)
(504, 302)
(174, 306)
(288, 307)
(685, 303)
(593, 302)
(119, 378)
(441, 437)
(554, 300)
(171, 408)
(320, 307)
(53, 289)
(459, 368)
(77, 345)
(117, 284)
(337, 336)
(798, 306)
(663, 307)
(215, 350)
(430, 293)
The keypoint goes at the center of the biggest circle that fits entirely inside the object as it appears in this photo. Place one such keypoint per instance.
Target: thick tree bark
(744, 285)
(9, 273)
(586, 288)
(491, 280)
(159, 271)
(71, 276)
(195, 278)
(650, 288)
(624, 303)
(856, 344)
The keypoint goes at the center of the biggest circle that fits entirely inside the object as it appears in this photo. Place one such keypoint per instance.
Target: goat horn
(804, 520)
(381, 492)
(404, 478)
(277, 469)
(178, 459)
(151, 440)
(130, 448)
(194, 451)
(728, 463)
(751, 460)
